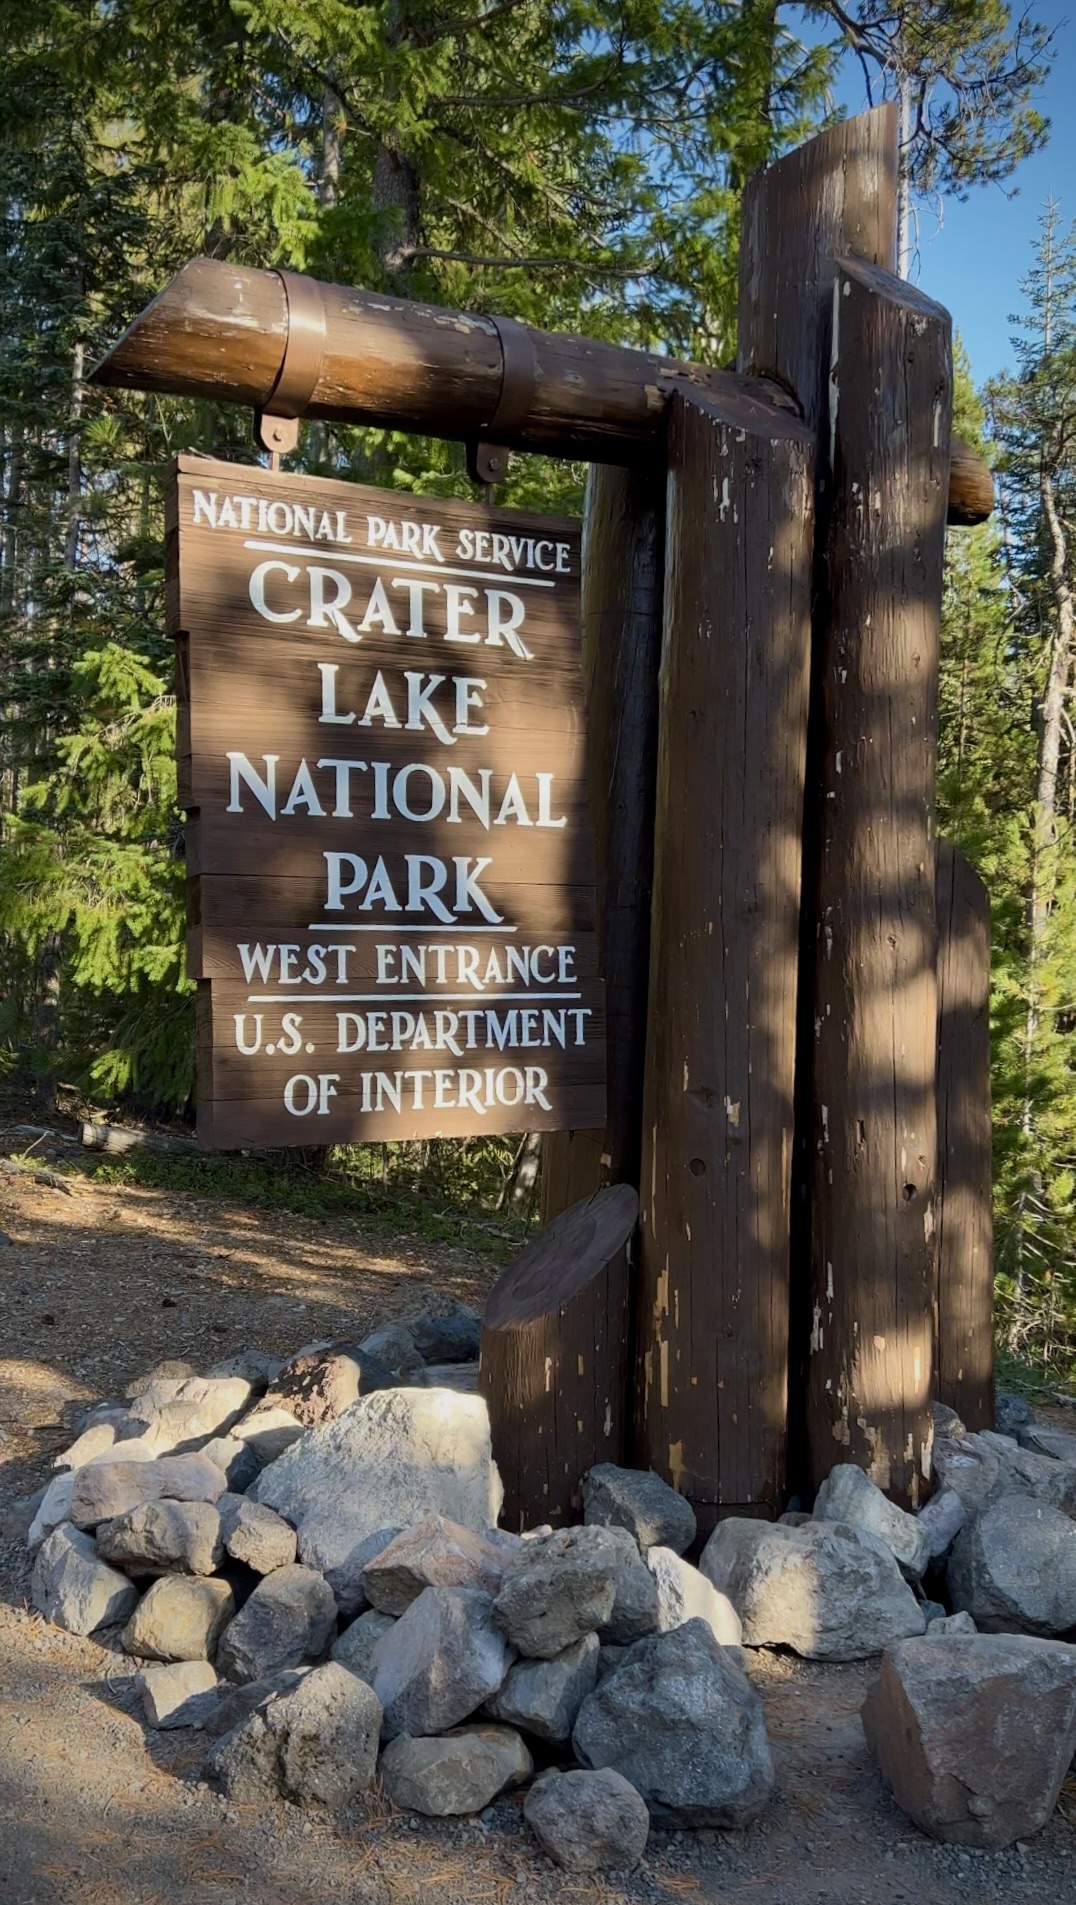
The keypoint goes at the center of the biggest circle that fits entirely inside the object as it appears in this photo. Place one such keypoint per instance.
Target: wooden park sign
(382, 755)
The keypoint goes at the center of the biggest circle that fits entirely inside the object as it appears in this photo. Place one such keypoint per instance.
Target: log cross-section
(554, 1368)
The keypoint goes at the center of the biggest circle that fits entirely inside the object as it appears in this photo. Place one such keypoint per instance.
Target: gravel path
(98, 1285)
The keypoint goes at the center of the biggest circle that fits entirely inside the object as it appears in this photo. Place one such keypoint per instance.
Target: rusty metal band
(304, 347)
(518, 377)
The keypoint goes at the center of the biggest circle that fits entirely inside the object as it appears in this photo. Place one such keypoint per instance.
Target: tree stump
(554, 1368)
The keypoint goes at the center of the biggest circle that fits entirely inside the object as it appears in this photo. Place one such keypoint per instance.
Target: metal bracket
(276, 424)
(488, 462)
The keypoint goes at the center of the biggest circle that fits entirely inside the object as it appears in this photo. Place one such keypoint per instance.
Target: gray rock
(448, 1336)
(933, 1611)
(348, 1579)
(354, 1648)
(53, 1508)
(1059, 1489)
(573, 1582)
(941, 1521)
(435, 1553)
(74, 1589)
(268, 1432)
(1021, 1467)
(243, 1764)
(945, 1625)
(1058, 1444)
(686, 1595)
(253, 1365)
(982, 1467)
(326, 1732)
(458, 1773)
(257, 1536)
(162, 1537)
(395, 1349)
(180, 1618)
(236, 1458)
(105, 1489)
(439, 1662)
(609, 1659)
(172, 1370)
(1013, 1569)
(318, 1386)
(945, 1420)
(848, 1495)
(462, 1377)
(236, 1704)
(187, 1411)
(828, 1591)
(544, 1696)
(680, 1721)
(638, 1500)
(1011, 1414)
(588, 1821)
(389, 1461)
(289, 1618)
(975, 1737)
(96, 1440)
(181, 1694)
(19, 1516)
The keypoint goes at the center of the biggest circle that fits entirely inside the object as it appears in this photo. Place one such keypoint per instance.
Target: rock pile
(304, 1562)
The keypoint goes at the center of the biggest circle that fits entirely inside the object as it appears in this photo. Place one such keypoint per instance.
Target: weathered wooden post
(965, 1335)
(623, 574)
(717, 1135)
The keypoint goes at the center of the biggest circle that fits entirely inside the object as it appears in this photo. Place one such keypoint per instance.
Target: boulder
(944, 1625)
(96, 1440)
(172, 1369)
(184, 1693)
(1011, 1414)
(348, 1579)
(268, 1431)
(289, 1618)
(354, 1648)
(236, 1704)
(462, 1377)
(180, 1618)
(236, 1459)
(588, 1821)
(849, 1495)
(1013, 1569)
(1021, 1467)
(316, 1745)
(253, 1365)
(319, 1385)
(392, 1459)
(257, 1536)
(573, 1582)
(53, 1508)
(395, 1349)
(1058, 1444)
(74, 1588)
(448, 1336)
(975, 1738)
(439, 1662)
(436, 1553)
(680, 1721)
(1058, 1490)
(638, 1500)
(945, 1420)
(162, 1537)
(983, 1466)
(458, 1773)
(186, 1412)
(684, 1594)
(941, 1521)
(544, 1696)
(105, 1489)
(828, 1591)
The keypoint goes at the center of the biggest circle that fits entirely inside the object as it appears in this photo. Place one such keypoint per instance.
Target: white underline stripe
(390, 932)
(403, 998)
(503, 576)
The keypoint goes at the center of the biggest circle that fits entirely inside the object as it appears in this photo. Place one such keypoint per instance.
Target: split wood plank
(554, 1364)
(718, 1102)
(965, 1339)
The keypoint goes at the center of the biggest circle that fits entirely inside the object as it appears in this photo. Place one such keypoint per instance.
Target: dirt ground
(98, 1284)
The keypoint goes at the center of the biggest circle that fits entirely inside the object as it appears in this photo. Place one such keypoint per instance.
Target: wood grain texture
(623, 557)
(872, 1134)
(717, 1129)
(965, 1338)
(554, 1366)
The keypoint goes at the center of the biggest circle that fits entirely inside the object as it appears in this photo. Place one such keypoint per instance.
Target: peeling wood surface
(965, 1339)
(623, 563)
(717, 1124)
(554, 1368)
(872, 1071)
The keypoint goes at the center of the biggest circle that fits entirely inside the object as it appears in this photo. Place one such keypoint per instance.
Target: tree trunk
(554, 1368)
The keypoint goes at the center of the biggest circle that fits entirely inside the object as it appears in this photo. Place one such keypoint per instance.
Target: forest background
(576, 164)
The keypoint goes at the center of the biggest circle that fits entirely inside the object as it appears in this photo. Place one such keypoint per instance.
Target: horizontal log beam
(220, 331)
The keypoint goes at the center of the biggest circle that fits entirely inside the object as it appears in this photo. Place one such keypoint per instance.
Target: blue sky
(973, 260)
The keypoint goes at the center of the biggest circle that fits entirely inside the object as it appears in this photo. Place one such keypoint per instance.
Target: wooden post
(872, 1133)
(623, 555)
(554, 1367)
(965, 1340)
(717, 1132)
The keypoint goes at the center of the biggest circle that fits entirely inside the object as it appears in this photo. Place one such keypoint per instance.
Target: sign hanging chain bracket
(487, 463)
(276, 424)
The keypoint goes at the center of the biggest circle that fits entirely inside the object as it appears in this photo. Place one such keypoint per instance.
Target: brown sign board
(391, 907)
